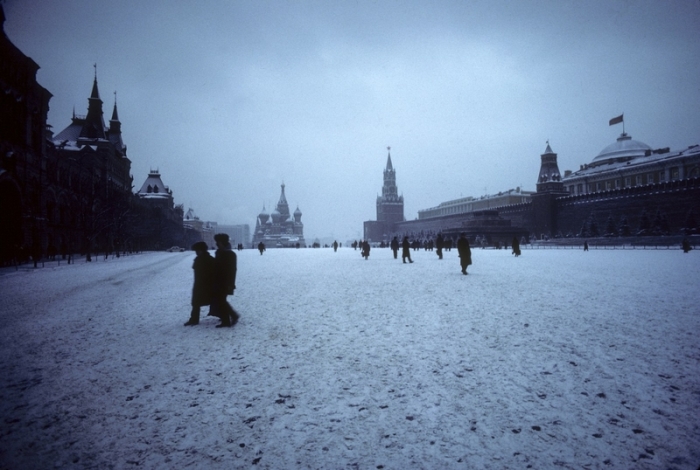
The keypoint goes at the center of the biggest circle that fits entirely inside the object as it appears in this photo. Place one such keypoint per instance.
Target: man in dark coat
(516, 246)
(261, 247)
(203, 267)
(365, 249)
(224, 281)
(439, 244)
(465, 252)
(406, 250)
(395, 247)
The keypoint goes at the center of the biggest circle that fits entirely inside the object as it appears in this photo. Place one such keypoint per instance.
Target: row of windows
(628, 181)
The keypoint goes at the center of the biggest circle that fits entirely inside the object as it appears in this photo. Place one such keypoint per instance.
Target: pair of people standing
(214, 280)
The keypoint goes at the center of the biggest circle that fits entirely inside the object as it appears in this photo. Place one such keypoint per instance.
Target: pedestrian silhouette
(439, 244)
(224, 282)
(516, 246)
(203, 267)
(686, 245)
(406, 250)
(395, 247)
(365, 249)
(465, 252)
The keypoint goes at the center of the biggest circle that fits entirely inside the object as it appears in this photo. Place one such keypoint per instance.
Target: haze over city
(228, 100)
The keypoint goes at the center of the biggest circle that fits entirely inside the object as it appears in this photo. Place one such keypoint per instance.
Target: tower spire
(94, 126)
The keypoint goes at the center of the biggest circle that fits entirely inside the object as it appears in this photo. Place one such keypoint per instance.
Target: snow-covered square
(557, 359)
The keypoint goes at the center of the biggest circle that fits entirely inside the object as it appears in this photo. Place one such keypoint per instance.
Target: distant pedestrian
(516, 246)
(439, 244)
(224, 282)
(585, 245)
(335, 246)
(203, 267)
(395, 247)
(365, 249)
(406, 250)
(465, 252)
(261, 248)
(686, 245)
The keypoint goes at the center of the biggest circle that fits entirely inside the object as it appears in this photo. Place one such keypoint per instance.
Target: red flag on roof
(616, 120)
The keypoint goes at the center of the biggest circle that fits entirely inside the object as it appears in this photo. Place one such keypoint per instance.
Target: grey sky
(228, 99)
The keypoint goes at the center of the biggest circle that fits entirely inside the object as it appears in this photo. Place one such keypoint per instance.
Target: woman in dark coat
(365, 249)
(203, 267)
(516, 246)
(465, 252)
(406, 250)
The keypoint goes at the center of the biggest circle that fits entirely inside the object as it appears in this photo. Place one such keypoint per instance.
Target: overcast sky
(228, 99)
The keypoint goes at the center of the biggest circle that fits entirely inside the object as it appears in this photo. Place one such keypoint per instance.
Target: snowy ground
(557, 359)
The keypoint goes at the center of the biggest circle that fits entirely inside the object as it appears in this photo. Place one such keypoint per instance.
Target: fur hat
(200, 246)
(221, 237)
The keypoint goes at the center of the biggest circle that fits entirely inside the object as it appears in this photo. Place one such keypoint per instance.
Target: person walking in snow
(516, 246)
(395, 247)
(335, 246)
(365, 249)
(224, 281)
(685, 244)
(465, 252)
(439, 244)
(406, 250)
(261, 248)
(203, 267)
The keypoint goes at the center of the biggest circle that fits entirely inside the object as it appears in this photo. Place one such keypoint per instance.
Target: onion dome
(264, 216)
(276, 216)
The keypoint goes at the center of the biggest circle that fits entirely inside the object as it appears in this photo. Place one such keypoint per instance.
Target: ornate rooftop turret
(283, 206)
(115, 129)
(549, 179)
(94, 125)
(263, 216)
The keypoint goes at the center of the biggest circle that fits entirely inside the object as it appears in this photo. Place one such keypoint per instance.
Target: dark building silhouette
(69, 193)
(628, 189)
(24, 106)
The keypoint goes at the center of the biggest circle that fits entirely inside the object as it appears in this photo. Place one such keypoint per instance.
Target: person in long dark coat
(395, 247)
(365, 249)
(516, 246)
(439, 244)
(465, 252)
(224, 281)
(203, 267)
(406, 250)
(686, 245)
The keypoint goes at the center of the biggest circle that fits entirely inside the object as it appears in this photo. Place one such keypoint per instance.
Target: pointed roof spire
(389, 166)
(548, 149)
(115, 116)
(94, 125)
(95, 92)
(283, 198)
